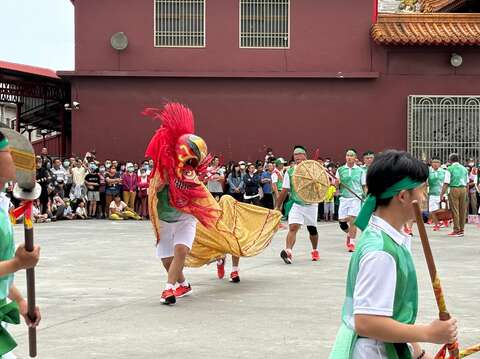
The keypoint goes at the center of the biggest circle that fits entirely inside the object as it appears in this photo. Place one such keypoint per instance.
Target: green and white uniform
(7, 251)
(435, 184)
(381, 281)
(354, 178)
(456, 176)
(176, 227)
(301, 212)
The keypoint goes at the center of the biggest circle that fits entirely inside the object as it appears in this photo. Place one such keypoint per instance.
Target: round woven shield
(310, 181)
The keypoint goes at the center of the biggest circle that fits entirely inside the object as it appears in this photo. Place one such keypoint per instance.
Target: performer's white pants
(305, 215)
(171, 234)
(433, 203)
(349, 207)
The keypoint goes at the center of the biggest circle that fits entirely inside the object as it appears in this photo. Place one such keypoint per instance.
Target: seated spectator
(38, 217)
(68, 212)
(58, 206)
(119, 210)
(81, 212)
(112, 187)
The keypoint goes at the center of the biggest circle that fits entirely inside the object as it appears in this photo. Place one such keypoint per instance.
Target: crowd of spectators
(86, 188)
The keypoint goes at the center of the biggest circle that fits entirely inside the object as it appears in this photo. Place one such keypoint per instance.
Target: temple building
(326, 74)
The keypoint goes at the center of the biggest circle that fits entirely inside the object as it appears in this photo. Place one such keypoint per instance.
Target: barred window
(264, 23)
(179, 23)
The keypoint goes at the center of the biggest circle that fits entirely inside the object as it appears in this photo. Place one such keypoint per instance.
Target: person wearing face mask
(108, 164)
(130, 185)
(143, 183)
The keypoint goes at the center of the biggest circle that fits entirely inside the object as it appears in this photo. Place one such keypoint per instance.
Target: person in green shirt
(351, 183)
(436, 178)
(368, 157)
(11, 260)
(456, 179)
(381, 304)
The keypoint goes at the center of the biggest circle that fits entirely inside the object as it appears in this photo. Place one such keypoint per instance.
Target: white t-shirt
(121, 206)
(81, 211)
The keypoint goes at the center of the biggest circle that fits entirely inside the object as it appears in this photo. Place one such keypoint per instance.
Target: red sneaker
(436, 227)
(183, 291)
(234, 277)
(446, 223)
(221, 269)
(350, 246)
(168, 297)
(315, 255)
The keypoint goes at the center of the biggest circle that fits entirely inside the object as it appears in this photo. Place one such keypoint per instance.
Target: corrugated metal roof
(30, 70)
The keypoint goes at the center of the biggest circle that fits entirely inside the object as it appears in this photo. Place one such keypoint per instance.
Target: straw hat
(310, 181)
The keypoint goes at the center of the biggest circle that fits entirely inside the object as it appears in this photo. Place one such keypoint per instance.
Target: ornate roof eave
(428, 6)
(426, 29)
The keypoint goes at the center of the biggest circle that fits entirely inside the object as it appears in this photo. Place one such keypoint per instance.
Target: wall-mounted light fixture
(456, 60)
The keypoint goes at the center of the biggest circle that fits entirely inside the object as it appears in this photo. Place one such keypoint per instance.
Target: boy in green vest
(456, 180)
(11, 261)
(380, 309)
(436, 178)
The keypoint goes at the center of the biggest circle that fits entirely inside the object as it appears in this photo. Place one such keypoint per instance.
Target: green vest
(458, 175)
(435, 181)
(165, 211)
(293, 194)
(406, 293)
(352, 178)
(7, 251)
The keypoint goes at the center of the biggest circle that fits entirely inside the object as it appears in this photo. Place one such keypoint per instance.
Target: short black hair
(368, 153)
(453, 157)
(390, 167)
(435, 158)
(351, 149)
(2, 136)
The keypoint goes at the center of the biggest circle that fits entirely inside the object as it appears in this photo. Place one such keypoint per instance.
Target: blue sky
(38, 33)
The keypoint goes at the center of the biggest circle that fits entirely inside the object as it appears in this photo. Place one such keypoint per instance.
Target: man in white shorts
(300, 212)
(351, 181)
(436, 178)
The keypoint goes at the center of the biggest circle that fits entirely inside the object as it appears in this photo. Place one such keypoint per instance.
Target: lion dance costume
(177, 199)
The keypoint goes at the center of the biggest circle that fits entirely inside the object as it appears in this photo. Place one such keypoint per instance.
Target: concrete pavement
(99, 284)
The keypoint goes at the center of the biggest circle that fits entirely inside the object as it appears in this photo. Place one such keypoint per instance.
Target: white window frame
(261, 47)
(180, 46)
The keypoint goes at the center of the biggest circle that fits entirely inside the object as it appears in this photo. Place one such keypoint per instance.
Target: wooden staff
(432, 269)
(32, 332)
(343, 185)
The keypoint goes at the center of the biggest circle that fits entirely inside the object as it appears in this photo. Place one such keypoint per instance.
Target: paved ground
(98, 284)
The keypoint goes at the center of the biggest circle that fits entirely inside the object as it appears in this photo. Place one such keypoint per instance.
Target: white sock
(169, 286)
(220, 262)
(235, 269)
(288, 250)
(184, 284)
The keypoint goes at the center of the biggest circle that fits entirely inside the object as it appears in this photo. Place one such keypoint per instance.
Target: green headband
(299, 150)
(371, 202)
(351, 153)
(3, 144)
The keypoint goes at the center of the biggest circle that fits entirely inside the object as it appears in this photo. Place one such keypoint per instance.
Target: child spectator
(81, 212)
(119, 210)
(68, 212)
(38, 217)
(329, 204)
